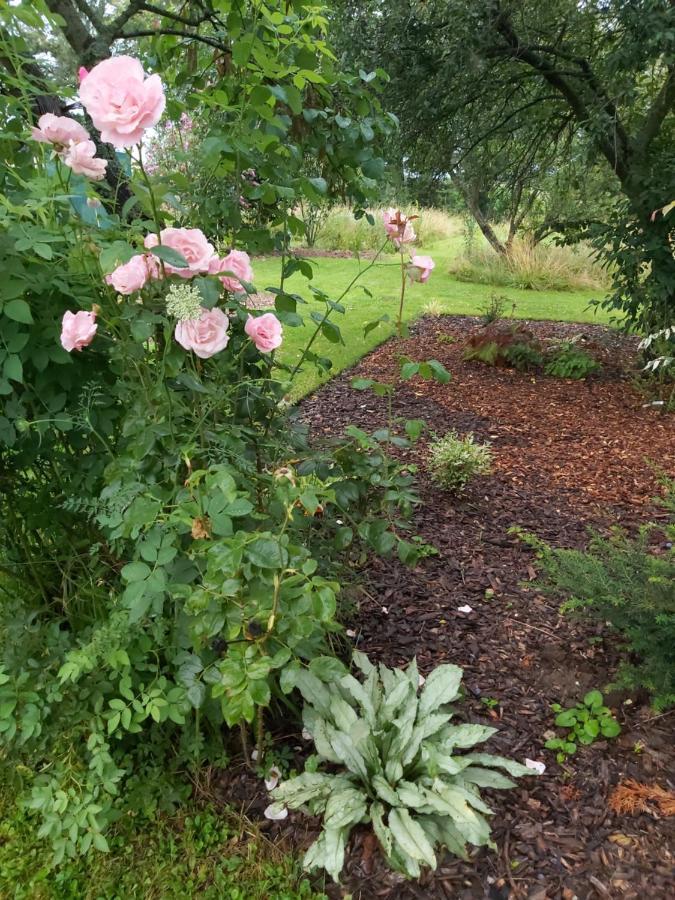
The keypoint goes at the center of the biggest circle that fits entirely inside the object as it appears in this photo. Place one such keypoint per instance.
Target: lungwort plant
(406, 771)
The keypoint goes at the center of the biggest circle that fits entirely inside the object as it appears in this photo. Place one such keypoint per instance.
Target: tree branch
(616, 155)
(188, 36)
(165, 14)
(662, 105)
(87, 11)
(73, 29)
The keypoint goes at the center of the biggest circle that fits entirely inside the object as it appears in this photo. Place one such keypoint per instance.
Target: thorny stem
(399, 323)
(244, 743)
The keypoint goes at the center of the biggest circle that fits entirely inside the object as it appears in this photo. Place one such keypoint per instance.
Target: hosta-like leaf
(345, 807)
(297, 791)
(393, 770)
(441, 830)
(342, 713)
(402, 694)
(315, 856)
(410, 795)
(411, 837)
(362, 662)
(464, 735)
(388, 678)
(413, 674)
(335, 841)
(424, 729)
(382, 833)
(365, 743)
(318, 728)
(384, 790)
(360, 695)
(468, 793)
(442, 686)
(499, 762)
(438, 761)
(470, 824)
(487, 778)
(400, 861)
(343, 745)
(314, 691)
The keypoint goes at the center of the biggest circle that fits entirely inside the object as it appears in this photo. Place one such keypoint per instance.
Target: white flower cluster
(184, 302)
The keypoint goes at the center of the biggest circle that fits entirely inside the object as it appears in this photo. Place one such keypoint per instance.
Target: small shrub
(494, 308)
(495, 345)
(569, 361)
(399, 766)
(621, 581)
(433, 308)
(524, 357)
(455, 460)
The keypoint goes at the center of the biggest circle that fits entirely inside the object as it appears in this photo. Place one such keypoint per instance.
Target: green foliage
(524, 357)
(198, 853)
(562, 100)
(588, 721)
(508, 344)
(568, 361)
(399, 766)
(623, 581)
(454, 460)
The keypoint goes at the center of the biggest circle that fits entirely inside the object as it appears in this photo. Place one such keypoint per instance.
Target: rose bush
(168, 535)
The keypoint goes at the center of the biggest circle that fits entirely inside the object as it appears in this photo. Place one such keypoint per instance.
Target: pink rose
(391, 218)
(398, 227)
(206, 335)
(191, 243)
(122, 103)
(82, 74)
(130, 276)
(420, 268)
(82, 159)
(264, 331)
(59, 130)
(78, 330)
(238, 263)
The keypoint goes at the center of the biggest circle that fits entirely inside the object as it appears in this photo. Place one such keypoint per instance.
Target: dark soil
(568, 455)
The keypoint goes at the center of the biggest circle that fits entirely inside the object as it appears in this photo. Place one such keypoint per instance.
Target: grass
(534, 267)
(443, 294)
(198, 854)
(341, 231)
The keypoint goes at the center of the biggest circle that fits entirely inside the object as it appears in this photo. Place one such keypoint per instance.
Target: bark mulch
(568, 455)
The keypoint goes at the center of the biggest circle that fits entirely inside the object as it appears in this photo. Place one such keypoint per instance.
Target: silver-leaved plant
(406, 771)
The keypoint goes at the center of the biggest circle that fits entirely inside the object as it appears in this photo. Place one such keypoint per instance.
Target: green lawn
(383, 281)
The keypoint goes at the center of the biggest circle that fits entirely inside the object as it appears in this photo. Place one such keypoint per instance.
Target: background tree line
(554, 117)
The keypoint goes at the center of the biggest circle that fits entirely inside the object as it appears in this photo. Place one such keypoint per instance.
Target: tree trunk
(471, 195)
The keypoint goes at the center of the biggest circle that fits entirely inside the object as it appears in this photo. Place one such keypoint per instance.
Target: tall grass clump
(531, 266)
(341, 231)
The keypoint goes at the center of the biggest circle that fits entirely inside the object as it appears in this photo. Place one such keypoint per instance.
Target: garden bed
(567, 455)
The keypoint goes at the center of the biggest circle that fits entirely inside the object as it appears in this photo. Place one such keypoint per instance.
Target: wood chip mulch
(568, 455)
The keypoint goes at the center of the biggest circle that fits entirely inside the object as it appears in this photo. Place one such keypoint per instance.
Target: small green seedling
(587, 721)
(490, 702)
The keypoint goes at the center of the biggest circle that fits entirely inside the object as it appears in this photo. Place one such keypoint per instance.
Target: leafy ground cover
(203, 853)
(443, 293)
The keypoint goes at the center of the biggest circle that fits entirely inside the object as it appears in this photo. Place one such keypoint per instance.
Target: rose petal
(272, 779)
(276, 812)
(465, 609)
(537, 767)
